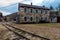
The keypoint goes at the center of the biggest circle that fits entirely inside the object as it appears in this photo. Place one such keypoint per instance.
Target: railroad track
(24, 34)
(21, 36)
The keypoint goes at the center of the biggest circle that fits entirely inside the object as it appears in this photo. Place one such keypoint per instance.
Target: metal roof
(32, 6)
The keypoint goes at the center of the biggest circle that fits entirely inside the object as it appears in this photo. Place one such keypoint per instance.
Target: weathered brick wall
(34, 15)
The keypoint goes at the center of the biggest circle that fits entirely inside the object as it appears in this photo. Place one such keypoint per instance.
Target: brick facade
(38, 13)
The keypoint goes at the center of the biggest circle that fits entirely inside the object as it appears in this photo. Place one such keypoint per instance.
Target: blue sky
(10, 6)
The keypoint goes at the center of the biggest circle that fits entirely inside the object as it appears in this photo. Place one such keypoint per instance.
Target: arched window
(31, 11)
(36, 11)
(25, 18)
(31, 18)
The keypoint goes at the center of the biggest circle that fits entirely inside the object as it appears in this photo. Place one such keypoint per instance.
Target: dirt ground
(51, 31)
(5, 34)
(3, 31)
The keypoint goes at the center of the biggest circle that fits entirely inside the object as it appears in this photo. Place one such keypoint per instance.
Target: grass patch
(49, 24)
(44, 24)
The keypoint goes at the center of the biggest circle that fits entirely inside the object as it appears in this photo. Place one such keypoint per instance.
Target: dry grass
(49, 30)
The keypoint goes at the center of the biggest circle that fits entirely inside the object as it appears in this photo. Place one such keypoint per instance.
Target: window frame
(25, 18)
(31, 19)
(25, 10)
(31, 10)
(37, 11)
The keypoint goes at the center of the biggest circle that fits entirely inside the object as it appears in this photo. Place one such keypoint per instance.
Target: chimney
(31, 3)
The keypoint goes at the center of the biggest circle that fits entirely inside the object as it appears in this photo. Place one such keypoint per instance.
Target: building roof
(13, 15)
(32, 6)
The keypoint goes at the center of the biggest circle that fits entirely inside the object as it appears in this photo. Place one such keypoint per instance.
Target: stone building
(53, 16)
(11, 17)
(33, 13)
(58, 16)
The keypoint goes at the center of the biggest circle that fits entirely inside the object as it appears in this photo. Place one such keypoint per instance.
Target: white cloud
(5, 13)
(35, 2)
(49, 1)
(4, 3)
(38, 2)
(8, 2)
